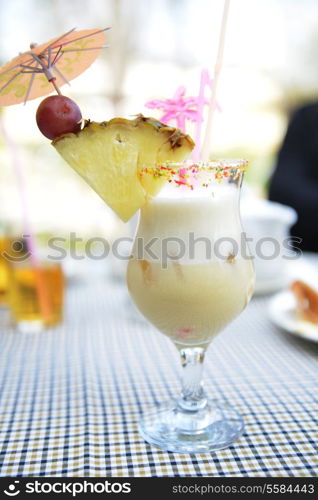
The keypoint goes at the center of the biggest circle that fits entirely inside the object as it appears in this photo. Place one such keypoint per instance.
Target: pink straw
(217, 71)
(27, 233)
(17, 166)
(201, 101)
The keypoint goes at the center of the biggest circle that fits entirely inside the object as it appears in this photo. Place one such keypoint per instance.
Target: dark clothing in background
(295, 179)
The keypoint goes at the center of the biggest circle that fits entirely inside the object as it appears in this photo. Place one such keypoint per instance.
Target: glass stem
(193, 397)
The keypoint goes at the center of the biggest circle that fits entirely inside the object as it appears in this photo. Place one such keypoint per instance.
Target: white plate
(282, 313)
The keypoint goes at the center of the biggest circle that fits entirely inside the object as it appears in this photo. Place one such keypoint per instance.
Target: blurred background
(155, 46)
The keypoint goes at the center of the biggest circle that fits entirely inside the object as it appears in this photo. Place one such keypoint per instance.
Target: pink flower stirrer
(179, 109)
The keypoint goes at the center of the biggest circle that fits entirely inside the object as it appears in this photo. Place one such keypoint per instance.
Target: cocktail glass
(190, 275)
(35, 294)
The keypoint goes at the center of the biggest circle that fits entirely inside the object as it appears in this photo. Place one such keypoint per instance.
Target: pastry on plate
(306, 301)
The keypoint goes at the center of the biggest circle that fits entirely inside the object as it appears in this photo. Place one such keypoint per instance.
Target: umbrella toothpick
(55, 86)
(48, 72)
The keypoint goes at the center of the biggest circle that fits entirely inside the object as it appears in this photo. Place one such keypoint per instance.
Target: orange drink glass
(36, 294)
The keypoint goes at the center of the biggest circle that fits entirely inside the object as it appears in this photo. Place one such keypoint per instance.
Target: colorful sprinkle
(188, 174)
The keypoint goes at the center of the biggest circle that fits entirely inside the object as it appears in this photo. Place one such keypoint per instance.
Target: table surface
(71, 396)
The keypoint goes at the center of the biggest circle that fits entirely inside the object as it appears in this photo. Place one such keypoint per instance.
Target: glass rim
(239, 163)
(188, 172)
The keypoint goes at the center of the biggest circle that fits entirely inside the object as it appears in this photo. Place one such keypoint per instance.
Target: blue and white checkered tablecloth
(71, 396)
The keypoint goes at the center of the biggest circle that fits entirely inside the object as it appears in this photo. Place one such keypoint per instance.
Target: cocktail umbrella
(32, 73)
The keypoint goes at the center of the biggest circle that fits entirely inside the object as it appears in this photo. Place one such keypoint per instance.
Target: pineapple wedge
(111, 157)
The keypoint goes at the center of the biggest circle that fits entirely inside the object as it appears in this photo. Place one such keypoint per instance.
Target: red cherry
(58, 115)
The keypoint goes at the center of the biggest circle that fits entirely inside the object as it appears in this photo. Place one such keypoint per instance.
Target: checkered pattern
(71, 397)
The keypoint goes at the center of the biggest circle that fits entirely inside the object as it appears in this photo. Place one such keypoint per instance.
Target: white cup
(268, 224)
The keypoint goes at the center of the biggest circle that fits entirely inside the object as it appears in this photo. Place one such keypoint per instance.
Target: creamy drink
(195, 280)
(190, 275)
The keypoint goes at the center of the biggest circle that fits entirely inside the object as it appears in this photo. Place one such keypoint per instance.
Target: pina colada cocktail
(190, 294)
(190, 276)
(195, 280)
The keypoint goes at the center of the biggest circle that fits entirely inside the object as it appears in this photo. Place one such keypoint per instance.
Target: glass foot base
(212, 428)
